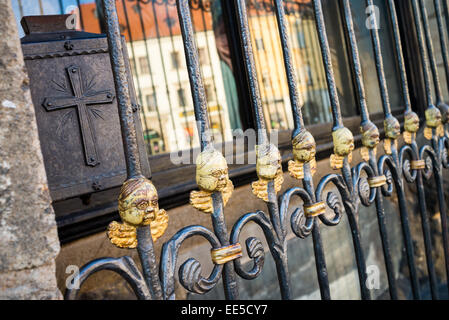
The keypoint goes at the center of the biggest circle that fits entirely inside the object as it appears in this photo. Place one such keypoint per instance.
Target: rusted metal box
(73, 92)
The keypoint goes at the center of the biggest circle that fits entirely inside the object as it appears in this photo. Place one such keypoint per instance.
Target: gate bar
(262, 140)
(389, 122)
(145, 246)
(432, 114)
(368, 128)
(409, 115)
(200, 107)
(295, 98)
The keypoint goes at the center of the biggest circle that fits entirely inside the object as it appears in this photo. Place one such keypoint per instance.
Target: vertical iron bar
(144, 34)
(327, 61)
(209, 55)
(435, 143)
(262, 139)
(177, 68)
(400, 184)
(414, 146)
(422, 52)
(381, 218)
(135, 64)
(430, 53)
(167, 90)
(200, 107)
(145, 245)
(295, 98)
(442, 36)
(81, 14)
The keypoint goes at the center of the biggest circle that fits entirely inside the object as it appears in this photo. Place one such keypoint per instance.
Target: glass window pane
(307, 59)
(366, 53)
(157, 61)
(438, 56)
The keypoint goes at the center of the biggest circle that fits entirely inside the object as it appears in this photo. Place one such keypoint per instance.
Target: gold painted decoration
(418, 165)
(388, 145)
(428, 133)
(211, 176)
(304, 151)
(433, 117)
(343, 147)
(392, 128)
(411, 122)
(138, 206)
(408, 137)
(202, 199)
(315, 209)
(440, 130)
(378, 181)
(268, 168)
(226, 254)
(370, 135)
(260, 187)
(364, 153)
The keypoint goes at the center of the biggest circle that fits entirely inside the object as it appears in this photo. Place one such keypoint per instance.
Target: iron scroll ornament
(358, 185)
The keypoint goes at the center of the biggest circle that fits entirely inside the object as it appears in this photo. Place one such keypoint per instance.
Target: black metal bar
(142, 26)
(279, 251)
(295, 98)
(408, 113)
(444, 108)
(145, 244)
(387, 113)
(135, 64)
(327, 61)
(161, 55)
(435, 143)
(201, 115)
(443, 36)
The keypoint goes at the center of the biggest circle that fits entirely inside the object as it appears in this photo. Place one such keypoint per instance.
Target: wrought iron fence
(366, 183)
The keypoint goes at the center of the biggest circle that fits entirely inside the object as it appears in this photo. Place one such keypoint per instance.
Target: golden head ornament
(433, 117)
(370, 135)
(411, 126)
(411, 122)
(343, 147)
(211, 176)
(444, 109)
(268, 167)
(138, 206)
(304, 151)
(392, 128)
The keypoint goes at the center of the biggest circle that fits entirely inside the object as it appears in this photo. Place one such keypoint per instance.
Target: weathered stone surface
(27, 223)
(38, 284)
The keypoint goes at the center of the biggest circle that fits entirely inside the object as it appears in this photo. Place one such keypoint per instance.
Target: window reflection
(305, 48)
(366, 53)
(156, 54)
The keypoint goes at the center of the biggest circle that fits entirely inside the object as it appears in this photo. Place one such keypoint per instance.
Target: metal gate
(366, 183)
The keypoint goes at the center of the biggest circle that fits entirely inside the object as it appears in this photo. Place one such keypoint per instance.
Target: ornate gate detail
(365, 183)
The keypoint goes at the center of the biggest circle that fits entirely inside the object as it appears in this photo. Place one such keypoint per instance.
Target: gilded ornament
(211, 176)
(138, 206)
(411, 122)
(268, 168)
(433, 117)
(304, 151)
(343, 147)
(370, 135)
(315, 209)
(226, 254)
(392, 128)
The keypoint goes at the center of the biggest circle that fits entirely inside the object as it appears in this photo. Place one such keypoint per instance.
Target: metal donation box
(73, 92)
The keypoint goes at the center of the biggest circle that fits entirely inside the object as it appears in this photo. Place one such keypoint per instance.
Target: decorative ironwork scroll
(363, 184)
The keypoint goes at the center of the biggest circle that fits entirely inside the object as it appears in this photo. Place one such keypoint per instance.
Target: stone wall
(27, 224)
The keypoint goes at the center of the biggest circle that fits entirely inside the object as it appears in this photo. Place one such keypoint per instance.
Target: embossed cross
(81, 99)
